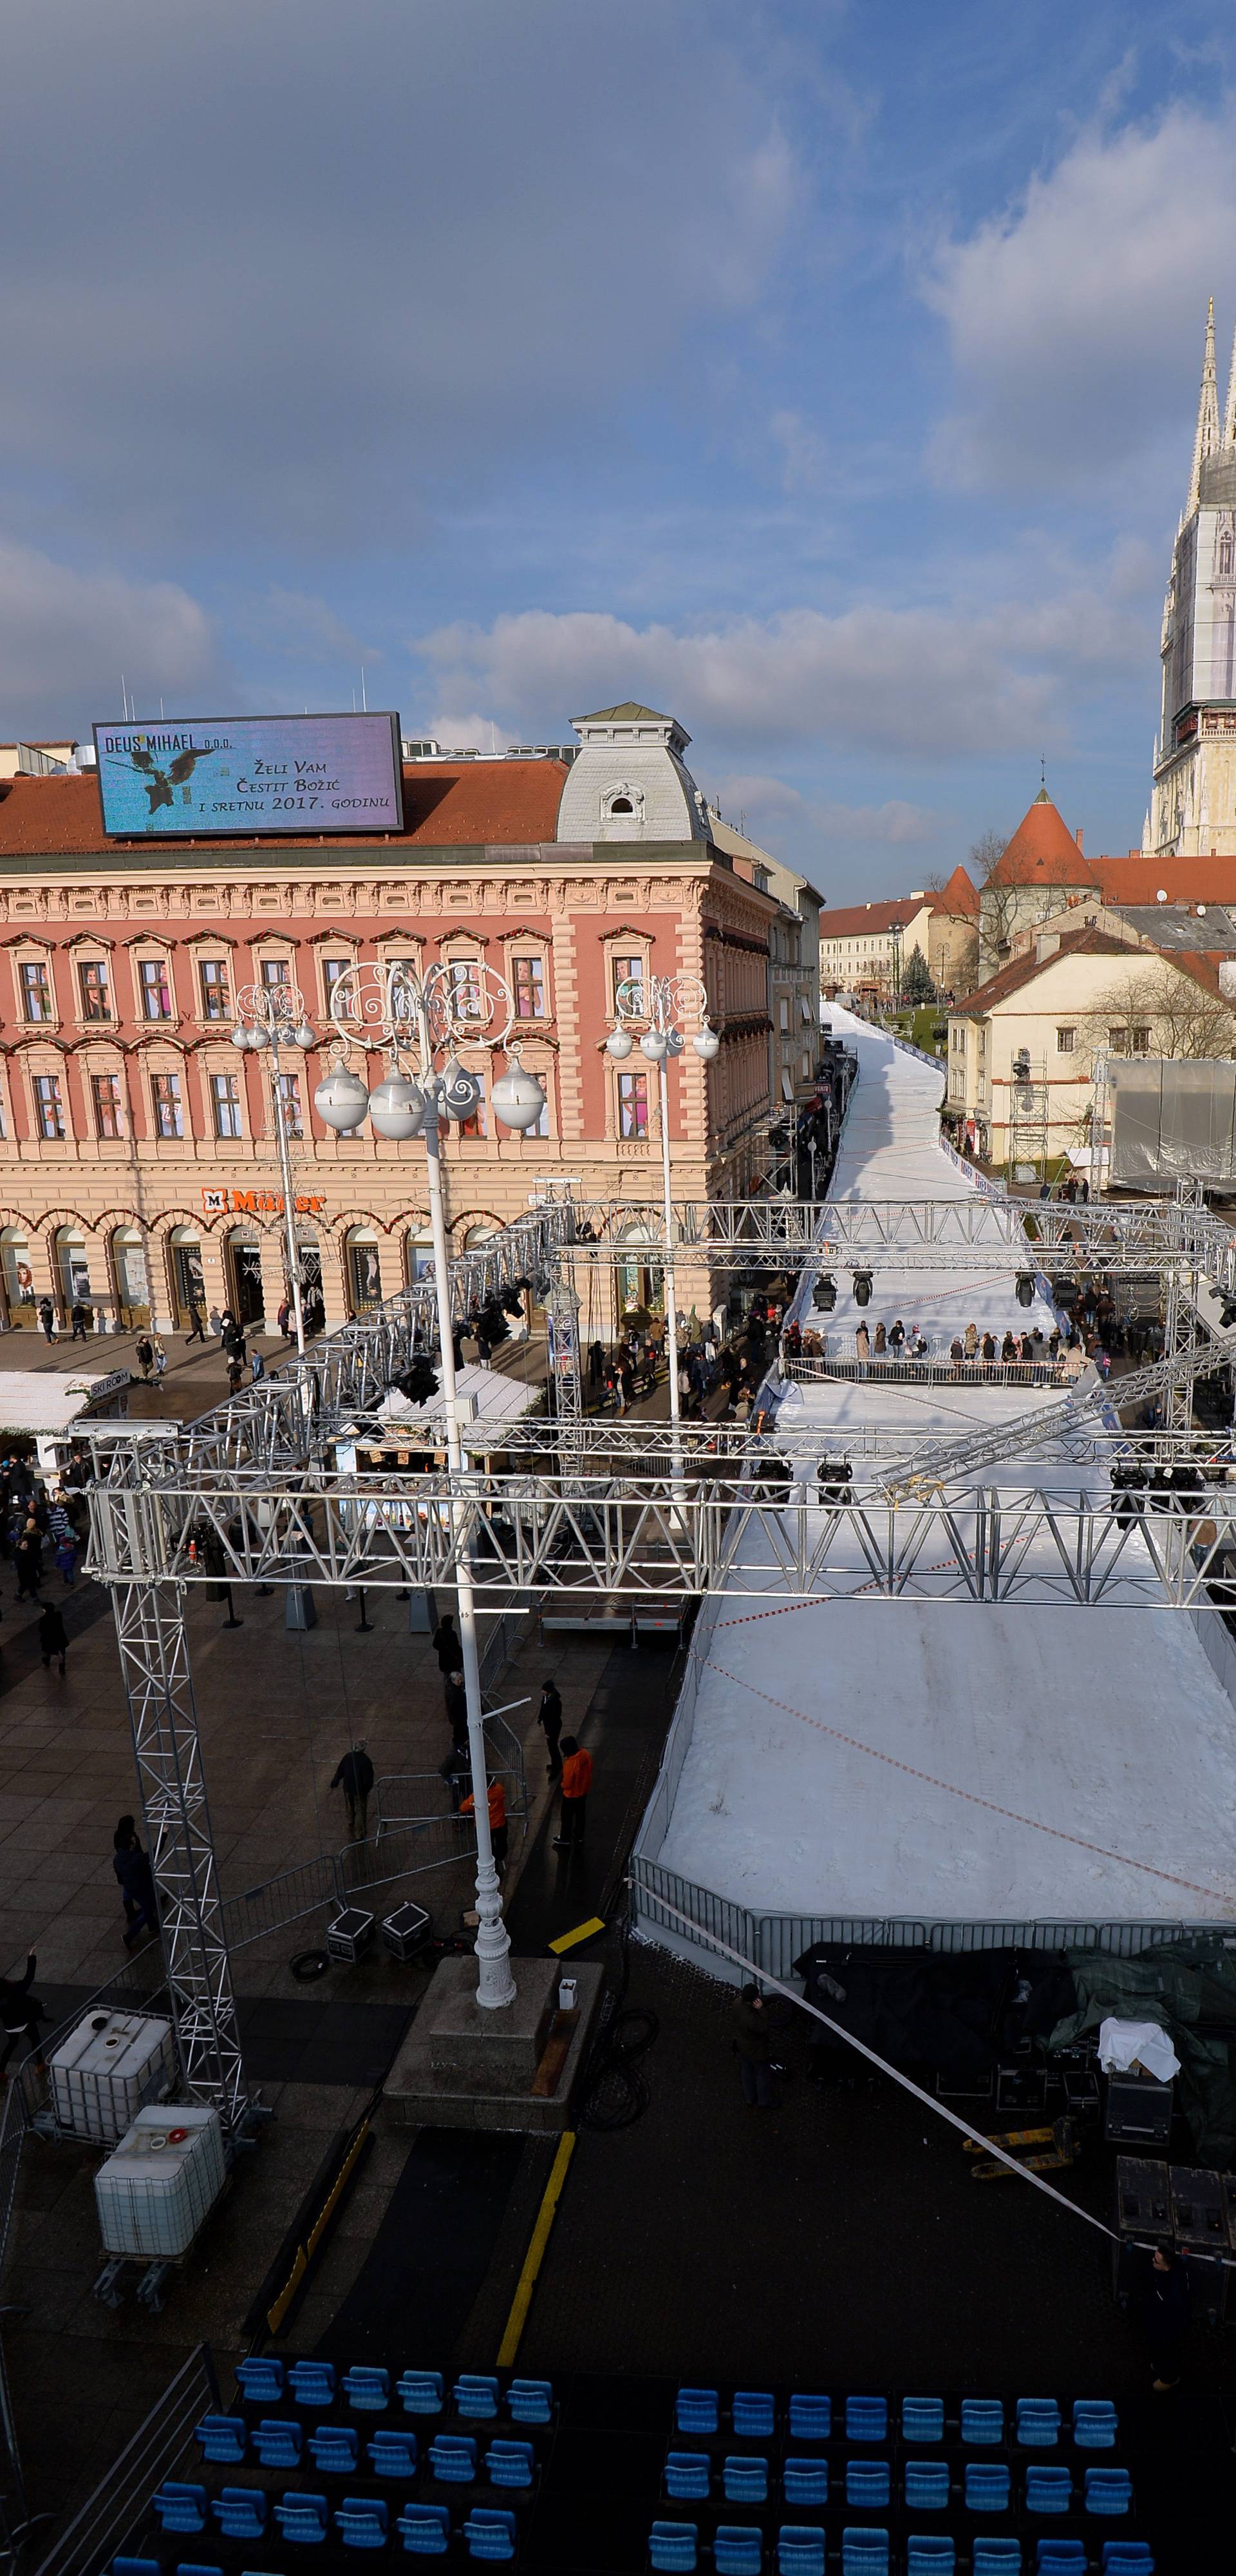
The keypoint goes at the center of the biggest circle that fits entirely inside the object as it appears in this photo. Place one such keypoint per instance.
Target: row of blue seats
(801, 2550)
(279, 2442)
(752, 2414)
(362, 2522)
(984, 2486)
(478, 2397)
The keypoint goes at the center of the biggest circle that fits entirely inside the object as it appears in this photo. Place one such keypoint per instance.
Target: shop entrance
(245, 1292)
(188, 1284)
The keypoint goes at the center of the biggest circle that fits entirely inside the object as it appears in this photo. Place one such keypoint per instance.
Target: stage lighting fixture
(418, 1382)
(824, 1294)
(1025, 1287)
(862, 1287)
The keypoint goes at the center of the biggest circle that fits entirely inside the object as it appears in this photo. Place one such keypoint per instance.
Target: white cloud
(804, 455)
(66, 636)
(768, 802)
(1075, 316)
(298, 624)
(918, 681)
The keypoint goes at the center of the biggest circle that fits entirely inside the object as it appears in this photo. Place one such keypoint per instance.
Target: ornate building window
(169, 1117)
(34, 978)
(155, 984)
(225, 1101)
(213, 985)
(108, 1103)
(48, 1107)
(528, 986)
(94, 985)
(633, 1105)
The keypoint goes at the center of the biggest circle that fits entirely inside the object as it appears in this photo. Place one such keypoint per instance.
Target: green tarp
(1190, 1988)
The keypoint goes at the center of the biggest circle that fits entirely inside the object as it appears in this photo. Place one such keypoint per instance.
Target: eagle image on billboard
(251, 774)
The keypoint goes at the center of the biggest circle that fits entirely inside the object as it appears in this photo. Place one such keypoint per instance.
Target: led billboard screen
(251, 774)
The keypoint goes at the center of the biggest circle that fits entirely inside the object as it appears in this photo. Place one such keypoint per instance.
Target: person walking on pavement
(454, 1771)
(20, 2016)
(456, 1699)
(754, 2049)
(499, 1830)
(576, 1783)
(29, 1562)
(549, 1716)
(1167, 2316)
(197, 1324)
(133, 1869)
(445, 1643)
(257, 1367)
(159, 1348)
(47, 1318)
(143, 1353)
(355, 1777)
(52, 1637)
(80, 1319)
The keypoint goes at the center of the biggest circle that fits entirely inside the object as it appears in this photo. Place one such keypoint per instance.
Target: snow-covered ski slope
(942, 1761)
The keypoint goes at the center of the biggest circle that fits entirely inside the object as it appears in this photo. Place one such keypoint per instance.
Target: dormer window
(622, 808)
(621, 805)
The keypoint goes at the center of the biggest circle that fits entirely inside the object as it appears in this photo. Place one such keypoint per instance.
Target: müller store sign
(257, 1203)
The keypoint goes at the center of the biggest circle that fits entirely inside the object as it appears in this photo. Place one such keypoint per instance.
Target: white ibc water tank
(106, 2069)
(161, 2182)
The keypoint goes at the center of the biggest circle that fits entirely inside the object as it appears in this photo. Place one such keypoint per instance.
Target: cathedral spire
(1229, 416)
(1207, 438)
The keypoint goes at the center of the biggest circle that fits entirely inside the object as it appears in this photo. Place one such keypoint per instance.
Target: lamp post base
(461, 2067)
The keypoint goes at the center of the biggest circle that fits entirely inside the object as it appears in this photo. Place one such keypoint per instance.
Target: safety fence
(977, 1180)
(772, 1942)
(120, 2504)
(334, 1880)
(934, 1371)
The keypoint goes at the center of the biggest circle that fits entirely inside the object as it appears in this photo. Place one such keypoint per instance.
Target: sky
(822, 374)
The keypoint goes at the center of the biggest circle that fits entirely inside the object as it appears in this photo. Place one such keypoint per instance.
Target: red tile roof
(1022, 970)
(445, 803)
(958, 896)
(876, 917)
(1042, 851)
(1138, 880)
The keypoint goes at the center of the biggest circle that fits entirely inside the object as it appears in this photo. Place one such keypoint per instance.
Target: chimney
(1079, 839)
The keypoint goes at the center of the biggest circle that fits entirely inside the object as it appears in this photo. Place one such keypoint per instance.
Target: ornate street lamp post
(661, 1003)
(418, 1020)
(273, 1018)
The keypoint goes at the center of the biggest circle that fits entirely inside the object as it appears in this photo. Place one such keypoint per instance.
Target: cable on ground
(613, 2092)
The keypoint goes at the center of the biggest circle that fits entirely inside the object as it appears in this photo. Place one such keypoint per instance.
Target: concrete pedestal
(464, 2068)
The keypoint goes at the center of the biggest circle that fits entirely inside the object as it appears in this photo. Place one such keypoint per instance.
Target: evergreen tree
(916, 983)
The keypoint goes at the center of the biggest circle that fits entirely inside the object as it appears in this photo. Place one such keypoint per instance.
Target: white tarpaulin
(1126, 2043)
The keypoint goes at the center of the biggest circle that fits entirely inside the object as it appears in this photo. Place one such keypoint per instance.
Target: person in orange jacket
(576, 1783)
(499, 1831)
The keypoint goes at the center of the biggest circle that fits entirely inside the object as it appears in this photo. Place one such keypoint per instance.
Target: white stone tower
(1193, 805)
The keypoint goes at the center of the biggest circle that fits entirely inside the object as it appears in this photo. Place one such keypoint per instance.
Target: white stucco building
(1193, 806)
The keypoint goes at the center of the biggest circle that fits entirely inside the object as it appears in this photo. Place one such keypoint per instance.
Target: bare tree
(998, 904)
(1179, 1015)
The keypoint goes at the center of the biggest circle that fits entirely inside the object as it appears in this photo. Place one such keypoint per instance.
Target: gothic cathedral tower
(1193, 807)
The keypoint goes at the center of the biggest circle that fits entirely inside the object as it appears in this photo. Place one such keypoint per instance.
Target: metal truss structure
(945, 1461)
(602, 1510)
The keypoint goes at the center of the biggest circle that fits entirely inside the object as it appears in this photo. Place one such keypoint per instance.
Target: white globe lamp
(517, 1097)
(341, 1100)
(619, 1044)
(707, 1044)
(397, 1108)
(655, 1045)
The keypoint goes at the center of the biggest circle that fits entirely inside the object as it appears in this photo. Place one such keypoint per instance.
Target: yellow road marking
(582, 1932)
(535, 2255)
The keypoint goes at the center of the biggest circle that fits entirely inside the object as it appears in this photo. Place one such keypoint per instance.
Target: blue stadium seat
(811, 2418)
(335, 2450)
(425, 2530)
(696, 2410)
(996, 2557)
(737, 2549)
(1109, 2491)
(312, 2383)
(222, 2437)
(805, 2480)
(180, 2507)
(393, 2453)
(745, 2480)
(368, 2391)
(864, 2553)
(302, 2518)
(926, 2484)
(1048, 2490)
(982, 2422)
(510, 2464)
(1060, 2558)
(1038, 2423)
(530, 2401)
(420, 2392)
(922, 2419)
(240, 2512)
(868, 2485)
(475, 2396)
(187, 2567)
(1094, 2424)
(362, 2522)
(452, 2458)
(261, 2380)
(687, 2476)
(673, 2547)
(987, 2486)
(1127, 2558)
(490, 2532)
(800, 2550)
(277, 2440)
(754, 2415)
(930, 2554)
(136, 2567)
(866, 2419)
